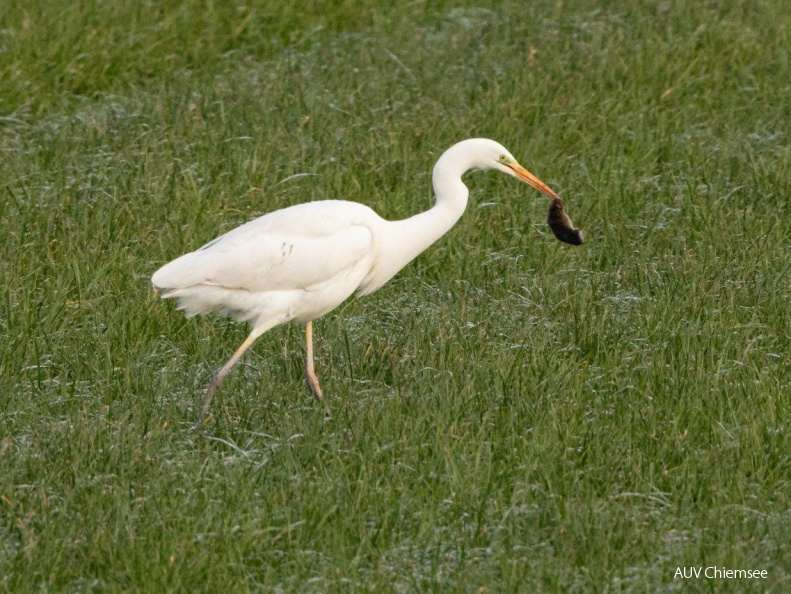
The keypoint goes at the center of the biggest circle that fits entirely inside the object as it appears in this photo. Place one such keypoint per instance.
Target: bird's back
(306, 256)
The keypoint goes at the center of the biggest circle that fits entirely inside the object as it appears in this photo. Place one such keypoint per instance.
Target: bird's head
(483, 153)
(498, 157)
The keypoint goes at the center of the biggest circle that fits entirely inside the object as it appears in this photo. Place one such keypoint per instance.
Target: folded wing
(294, 248)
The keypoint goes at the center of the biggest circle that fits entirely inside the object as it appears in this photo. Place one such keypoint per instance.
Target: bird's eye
(503, 158)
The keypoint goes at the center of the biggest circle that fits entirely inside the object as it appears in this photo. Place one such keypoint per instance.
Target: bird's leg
(310, 372)
(313, 381)
(220, 375)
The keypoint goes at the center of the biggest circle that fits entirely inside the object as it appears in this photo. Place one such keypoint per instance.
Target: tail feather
(183, 272)
(205, 299)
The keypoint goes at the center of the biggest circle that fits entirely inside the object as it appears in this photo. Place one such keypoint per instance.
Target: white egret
(301, 262)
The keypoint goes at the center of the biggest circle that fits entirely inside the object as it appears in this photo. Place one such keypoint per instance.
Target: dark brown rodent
(561, 224)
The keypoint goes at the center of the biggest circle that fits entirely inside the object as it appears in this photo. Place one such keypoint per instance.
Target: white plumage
(299, 263)
(278, 266)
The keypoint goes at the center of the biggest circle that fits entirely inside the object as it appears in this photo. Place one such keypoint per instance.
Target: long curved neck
(420, 231)
(451, 193)
(400, 242)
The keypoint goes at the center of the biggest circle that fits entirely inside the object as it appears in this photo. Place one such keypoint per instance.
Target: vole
(561, 224)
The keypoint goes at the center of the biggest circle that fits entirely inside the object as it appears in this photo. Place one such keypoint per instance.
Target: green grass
(510, 413)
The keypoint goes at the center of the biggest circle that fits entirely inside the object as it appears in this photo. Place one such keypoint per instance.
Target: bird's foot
(204, 415)
(315, 388)
(201, 420)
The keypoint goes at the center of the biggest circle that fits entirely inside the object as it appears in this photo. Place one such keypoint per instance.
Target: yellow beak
(531, 180)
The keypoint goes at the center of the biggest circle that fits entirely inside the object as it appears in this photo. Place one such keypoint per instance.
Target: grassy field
(510, 413)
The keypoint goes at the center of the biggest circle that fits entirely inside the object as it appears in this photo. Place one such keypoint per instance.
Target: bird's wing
(295, 248)
(310, 219)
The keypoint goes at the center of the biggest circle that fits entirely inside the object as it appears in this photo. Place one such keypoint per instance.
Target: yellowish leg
(220, 375)
(313, 381)
(310, 371)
